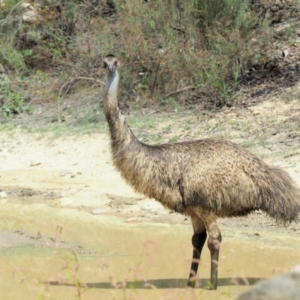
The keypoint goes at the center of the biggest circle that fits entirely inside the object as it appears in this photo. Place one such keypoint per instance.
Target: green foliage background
(164, 45)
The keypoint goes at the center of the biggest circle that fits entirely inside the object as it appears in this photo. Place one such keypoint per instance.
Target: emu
(204, 179)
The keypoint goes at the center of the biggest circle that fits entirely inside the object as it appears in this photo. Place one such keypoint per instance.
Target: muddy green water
(154, 260)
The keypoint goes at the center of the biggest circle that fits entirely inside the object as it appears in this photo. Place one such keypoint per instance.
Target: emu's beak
(110, 68)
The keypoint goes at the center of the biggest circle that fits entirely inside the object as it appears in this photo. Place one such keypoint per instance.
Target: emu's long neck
(121, 135)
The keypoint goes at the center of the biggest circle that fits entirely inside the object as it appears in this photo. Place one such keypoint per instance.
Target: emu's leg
(214, 243)
(198, 241)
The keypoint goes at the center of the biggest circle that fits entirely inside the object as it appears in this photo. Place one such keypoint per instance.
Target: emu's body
(204, 179)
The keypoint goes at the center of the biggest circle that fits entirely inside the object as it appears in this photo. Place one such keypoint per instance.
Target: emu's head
(110, 63)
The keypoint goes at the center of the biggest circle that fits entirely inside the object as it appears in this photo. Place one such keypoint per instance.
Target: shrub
(165, 46)
(11, 103)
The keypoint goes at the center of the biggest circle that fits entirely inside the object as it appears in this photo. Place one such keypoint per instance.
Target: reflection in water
(163, 283)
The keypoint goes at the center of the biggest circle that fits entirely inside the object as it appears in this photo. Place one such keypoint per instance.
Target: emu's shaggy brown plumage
(204, 179)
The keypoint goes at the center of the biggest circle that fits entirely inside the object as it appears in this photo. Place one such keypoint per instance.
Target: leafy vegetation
(166, 46)
(12, 102)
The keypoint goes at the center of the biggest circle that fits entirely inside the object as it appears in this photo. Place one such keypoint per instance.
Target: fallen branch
(281, 27)
(70, 83)
(186, 88)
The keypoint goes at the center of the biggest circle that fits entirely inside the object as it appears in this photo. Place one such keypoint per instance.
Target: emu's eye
(104, 65)
(116, 63)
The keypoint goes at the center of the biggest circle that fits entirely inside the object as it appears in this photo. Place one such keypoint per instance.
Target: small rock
(283, 287)
(3, 195)
(73, 175)
(34, 163)
(97, 211)
(128, 203)
(64, 173)
(274, 8)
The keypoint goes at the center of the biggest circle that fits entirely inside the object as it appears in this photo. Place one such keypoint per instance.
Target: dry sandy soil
(50, 186)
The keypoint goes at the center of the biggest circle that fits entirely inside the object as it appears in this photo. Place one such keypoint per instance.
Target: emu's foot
(212, 285)
(191, 283)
